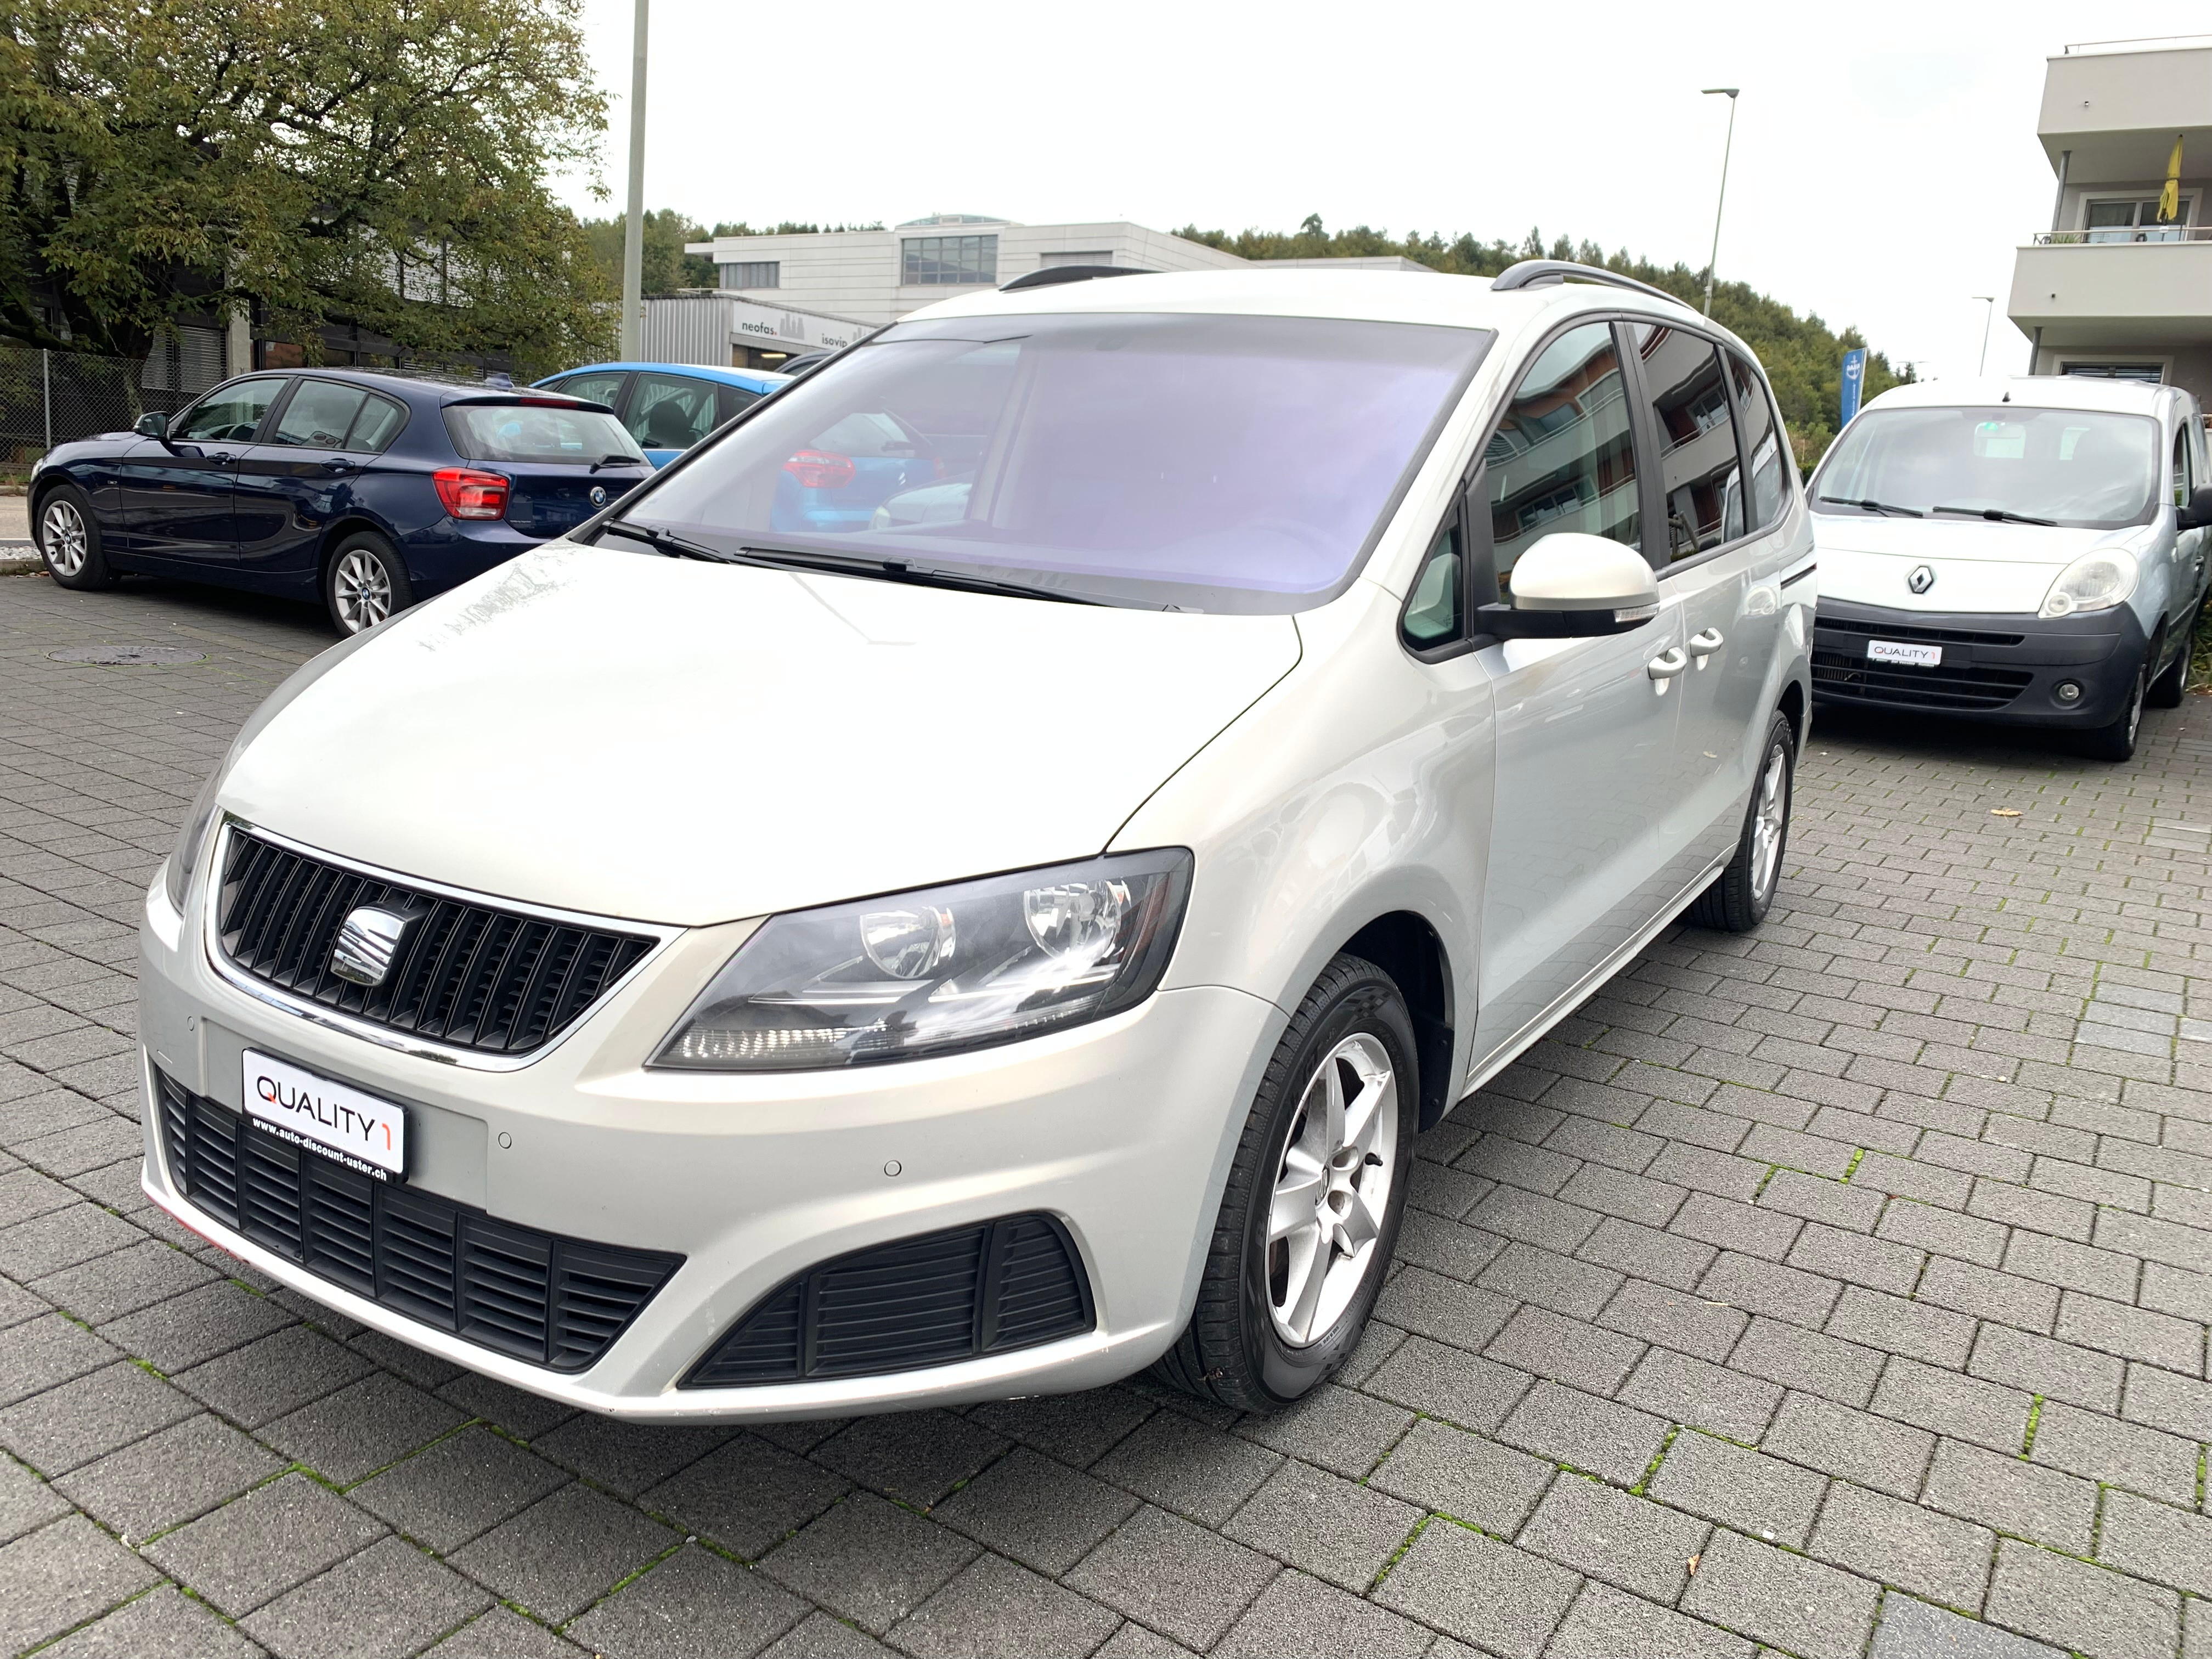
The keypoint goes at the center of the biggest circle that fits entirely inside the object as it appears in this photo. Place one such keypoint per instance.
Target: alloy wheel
(1333, 1189)
(1768, 822)
(62, 536)
(362, 588)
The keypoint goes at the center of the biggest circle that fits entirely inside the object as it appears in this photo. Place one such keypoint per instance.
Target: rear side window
(735, 400)
(600, 387)
(1699, 471)
(671, 412)
(2183, 477)
(1762, 441)
(319, 415)
(538, 432)
(1562, 457)
(377, 425)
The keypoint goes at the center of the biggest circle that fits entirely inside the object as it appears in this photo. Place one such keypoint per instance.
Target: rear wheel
(70, 540)
(2166, 692)
(1309, 1218)
(366, 583)
(2117, 742)
(1743, 893)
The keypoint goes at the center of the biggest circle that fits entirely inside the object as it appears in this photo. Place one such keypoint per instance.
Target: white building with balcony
(2111, 288)
(860, 279)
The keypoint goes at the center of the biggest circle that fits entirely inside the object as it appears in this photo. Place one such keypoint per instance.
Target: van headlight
(2096, 581)
(945, 969)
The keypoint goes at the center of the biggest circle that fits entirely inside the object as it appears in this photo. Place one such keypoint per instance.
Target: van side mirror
(1571, 585)
(2198, 513)
(151, 425)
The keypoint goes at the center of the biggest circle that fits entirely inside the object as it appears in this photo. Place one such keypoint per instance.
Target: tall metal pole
(633, 292)
(1988, 317)
(1729, 93)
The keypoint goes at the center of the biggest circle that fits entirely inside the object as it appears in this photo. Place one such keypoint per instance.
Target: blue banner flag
(1854, 380)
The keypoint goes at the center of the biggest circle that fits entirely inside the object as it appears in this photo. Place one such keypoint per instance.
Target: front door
(1585, 729)
(175, 493)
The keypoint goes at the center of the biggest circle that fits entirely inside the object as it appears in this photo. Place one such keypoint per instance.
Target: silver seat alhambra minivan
(751, 959)
(2030, 551)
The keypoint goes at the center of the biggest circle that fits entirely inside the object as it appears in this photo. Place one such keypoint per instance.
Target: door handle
(1664, 666)
(1702, 645)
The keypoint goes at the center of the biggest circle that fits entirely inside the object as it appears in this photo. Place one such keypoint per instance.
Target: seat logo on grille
(1922, 579)
(368, 943)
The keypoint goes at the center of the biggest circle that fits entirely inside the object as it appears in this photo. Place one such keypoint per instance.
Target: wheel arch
(351, 523)
(1792, 709)
(1404, 946)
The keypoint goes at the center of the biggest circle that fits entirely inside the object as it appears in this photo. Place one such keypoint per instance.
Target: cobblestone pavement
(1813, 1289)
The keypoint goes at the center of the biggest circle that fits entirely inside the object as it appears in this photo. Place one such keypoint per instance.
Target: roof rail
(1541, 273)
(1052, 273)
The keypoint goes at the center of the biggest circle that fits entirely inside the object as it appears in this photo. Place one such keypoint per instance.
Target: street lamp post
(1988, 317)
(1729, 94)
(632, 288)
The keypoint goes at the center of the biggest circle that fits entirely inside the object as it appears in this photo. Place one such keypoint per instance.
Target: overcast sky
(1886, 164)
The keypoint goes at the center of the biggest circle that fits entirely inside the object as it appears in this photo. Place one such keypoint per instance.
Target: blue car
(668, 407)
(369, 490)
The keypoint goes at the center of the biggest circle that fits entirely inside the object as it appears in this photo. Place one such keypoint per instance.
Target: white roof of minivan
(2033, 391)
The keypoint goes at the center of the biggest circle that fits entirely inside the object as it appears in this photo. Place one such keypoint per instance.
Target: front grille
(1854, 679)
(553, 1300)
(470, 976)
(1886, 630)
(944, 1296)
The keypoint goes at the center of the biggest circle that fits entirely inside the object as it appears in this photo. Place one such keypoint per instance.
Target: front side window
(671, 412)
(599, 386)
(2084, 468)
(1762, 441)
(1432, 610)
(1697, 467)
(2184, 480)
(1563, 457)
(1229, 463)
(937, 261)
(319, 415)
(230, 414)
(538, 432)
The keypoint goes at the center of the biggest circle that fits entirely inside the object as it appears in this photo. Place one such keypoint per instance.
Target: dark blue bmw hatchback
(369, 490)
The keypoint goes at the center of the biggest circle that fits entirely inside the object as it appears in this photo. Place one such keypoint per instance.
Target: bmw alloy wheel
(62, 538)
(362, 588)
(1769, 819)
(1333, 1189)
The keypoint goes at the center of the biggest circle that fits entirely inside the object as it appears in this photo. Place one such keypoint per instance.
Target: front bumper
(1121, 1130)
(2006, 667)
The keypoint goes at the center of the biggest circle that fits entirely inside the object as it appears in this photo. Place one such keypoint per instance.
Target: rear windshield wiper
(1882, 508)
(617, 460)
(896, 570)
(1995, 514)
(675, 547)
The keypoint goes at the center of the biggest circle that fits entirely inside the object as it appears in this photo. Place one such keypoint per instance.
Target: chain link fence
(48, 397)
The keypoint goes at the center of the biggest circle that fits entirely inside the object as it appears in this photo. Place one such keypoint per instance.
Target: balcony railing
(2124, 233)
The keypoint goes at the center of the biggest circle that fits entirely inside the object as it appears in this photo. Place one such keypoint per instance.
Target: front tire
(1743, 893)
(70, 540)
(366, 583)
(2117, 742)
(1309, 1221)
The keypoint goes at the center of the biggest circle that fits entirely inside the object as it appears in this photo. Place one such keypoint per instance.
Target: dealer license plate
(358, 1130)
(1911, 656)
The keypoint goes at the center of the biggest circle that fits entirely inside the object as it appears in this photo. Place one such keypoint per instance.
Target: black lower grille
(944, 1296)
(1891, 630)
(1856, 680)
(470, 974)
(553, 1300)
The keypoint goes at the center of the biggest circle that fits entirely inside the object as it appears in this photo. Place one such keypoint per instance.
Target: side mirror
(2198, 513)
(151, 425)
(1571, 585)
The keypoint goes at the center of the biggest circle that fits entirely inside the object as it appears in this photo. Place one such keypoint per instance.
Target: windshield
(2090, 469)
(538, 432)
(1208, 463)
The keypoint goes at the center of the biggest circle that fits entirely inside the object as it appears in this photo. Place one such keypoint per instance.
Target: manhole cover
(121, 655)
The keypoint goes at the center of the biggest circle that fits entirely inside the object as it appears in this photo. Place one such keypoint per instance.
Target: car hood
(1975, 565)
(674, 741)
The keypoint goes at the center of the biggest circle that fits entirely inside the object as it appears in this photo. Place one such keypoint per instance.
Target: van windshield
(1208, 462)
(2089, 468)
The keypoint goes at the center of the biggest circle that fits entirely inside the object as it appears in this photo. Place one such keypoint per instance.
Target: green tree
(1802, 356)
(382, 161)
(667, 267)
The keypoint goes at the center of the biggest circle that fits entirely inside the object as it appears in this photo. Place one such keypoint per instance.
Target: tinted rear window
(538, 432)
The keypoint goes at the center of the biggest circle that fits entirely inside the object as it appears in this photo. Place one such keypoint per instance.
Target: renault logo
(1921, 579)
(367, 944)
(598, 495)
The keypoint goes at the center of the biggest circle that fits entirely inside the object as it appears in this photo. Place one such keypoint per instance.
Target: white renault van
(750, 959)
(2028, 551)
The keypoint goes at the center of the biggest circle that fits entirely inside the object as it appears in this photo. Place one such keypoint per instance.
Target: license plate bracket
(1904, 654)
(363, 1132)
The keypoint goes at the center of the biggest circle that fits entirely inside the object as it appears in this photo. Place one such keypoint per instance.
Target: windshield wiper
(675, 547)
(896, 570)
(617, 460)
(1882, 508)
(1995, 514)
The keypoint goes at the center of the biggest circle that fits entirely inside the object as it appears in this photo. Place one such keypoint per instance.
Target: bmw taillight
(820, 469)
(467, 493)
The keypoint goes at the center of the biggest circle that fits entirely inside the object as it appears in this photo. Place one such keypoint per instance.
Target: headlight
(925, 973)
(2095, 582)
(177, 875)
